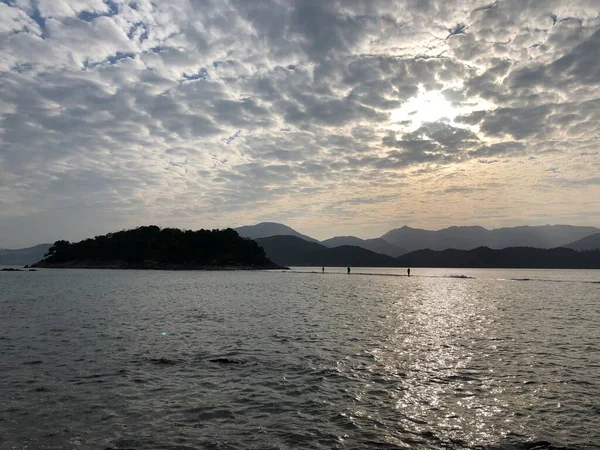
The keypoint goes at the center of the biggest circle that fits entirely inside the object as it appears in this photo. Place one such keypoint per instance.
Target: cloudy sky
(334, 117)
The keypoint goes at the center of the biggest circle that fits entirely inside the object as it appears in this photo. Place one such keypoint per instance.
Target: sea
(300, 359)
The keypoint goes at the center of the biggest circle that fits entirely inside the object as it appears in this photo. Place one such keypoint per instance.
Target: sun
(426, 107)
(432, 106)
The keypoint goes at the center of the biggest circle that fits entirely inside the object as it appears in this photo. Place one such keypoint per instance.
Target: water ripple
(127, 359)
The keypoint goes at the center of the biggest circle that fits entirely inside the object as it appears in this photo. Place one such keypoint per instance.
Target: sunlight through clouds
(425, 107)
(432, 106)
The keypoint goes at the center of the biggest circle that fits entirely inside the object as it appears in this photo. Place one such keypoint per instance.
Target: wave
(164, 361)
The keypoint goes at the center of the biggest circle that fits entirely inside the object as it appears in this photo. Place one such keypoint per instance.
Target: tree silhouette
(151, 244)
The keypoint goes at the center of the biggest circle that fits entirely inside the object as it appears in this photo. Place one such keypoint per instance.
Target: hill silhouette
(150, 247)
(376, 245)
(154, 248)
(268, 229)
(23, 256)
(294, 251)
(406, 239)
(512, 257)
(467, 238)
(587, 243)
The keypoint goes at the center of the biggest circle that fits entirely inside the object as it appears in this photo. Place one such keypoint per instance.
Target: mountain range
(406, 239)
(468, 238)
(294, 251)
(510, 257)
(376, 245)
(392, 244)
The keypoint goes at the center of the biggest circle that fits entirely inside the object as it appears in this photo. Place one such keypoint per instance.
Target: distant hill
(406, 239)
(587, 243)
(377, 245)
(513, 257)
(153, 248)
(23, 256)
(294, 251)
(467, 238)
(268, 229)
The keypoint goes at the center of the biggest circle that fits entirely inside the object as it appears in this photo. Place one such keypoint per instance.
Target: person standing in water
(323, 269)
(408, 271)
(348, 270)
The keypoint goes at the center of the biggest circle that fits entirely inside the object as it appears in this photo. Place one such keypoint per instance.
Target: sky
(333, 117)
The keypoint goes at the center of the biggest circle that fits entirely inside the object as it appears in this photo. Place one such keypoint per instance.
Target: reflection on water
(132, 359)
(447, 379)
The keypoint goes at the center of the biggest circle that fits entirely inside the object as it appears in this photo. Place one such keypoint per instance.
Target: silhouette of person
(408, 271)
(348, 270)
(323, 269)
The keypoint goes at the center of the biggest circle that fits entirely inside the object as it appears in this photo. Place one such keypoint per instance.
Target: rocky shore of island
(152, 265)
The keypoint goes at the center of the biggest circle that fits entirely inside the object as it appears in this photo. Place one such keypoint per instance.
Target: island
(150, 247)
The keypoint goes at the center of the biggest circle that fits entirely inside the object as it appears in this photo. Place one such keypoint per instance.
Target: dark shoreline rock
(151, 265)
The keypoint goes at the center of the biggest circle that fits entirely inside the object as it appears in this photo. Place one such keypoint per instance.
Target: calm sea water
(98, 359)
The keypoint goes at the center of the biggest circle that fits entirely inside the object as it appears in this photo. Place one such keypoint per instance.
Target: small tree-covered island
(151, 247)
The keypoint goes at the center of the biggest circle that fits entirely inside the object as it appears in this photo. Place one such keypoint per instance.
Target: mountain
(587, 243)
(151, 247)
(294, 251)
(545, 236)
(267, 229)
(453, 237)
(377, 245)
(23, 256)
(512, 257)
(467, 238)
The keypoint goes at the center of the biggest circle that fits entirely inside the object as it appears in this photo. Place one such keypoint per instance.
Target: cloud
(219, 113)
